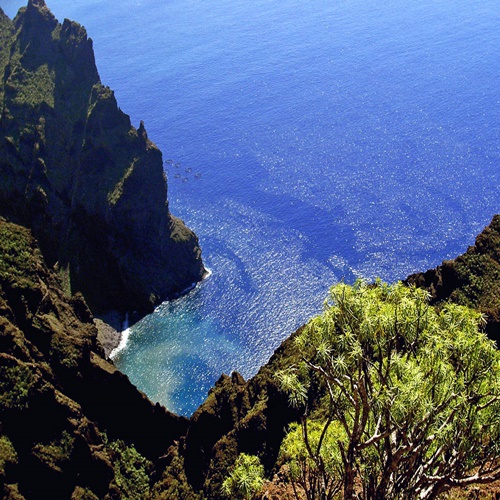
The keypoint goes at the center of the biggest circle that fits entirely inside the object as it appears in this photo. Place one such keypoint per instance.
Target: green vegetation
(131, 471)
(83, 494)
(37, 87)
(472, 279)
(479, 278)
(16, 385)
(18, 254)
(57, 453)
(115, 195)
(174, 483)
(5, 41)
(8, 455)
(312, 458)
(246, 480)
(412, 397)
(63, 348)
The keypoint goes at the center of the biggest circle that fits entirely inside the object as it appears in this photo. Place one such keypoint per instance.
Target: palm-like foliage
(414, 392)
(246, 479)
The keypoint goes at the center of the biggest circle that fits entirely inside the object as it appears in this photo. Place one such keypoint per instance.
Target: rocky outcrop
(74, 170)
(71, 425)
(237, 417)
(472, 279)
(252, 417)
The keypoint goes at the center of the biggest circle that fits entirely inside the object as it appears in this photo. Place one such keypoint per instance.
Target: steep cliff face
(67, 417)
(91, 188)
(74, 170)
(472, 279)
(253, 417)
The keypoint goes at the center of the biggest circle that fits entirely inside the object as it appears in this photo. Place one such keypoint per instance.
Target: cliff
(71, 425)
(73, 169)
(472, 279)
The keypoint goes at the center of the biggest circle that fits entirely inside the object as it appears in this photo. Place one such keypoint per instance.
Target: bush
(131, 471)
(412, 406)
(16, 386)
(246, 479)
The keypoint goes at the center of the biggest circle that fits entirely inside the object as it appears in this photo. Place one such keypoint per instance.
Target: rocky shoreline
(112, 324)
(109, 331)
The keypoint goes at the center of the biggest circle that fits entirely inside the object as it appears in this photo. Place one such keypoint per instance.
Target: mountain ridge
(73, 169)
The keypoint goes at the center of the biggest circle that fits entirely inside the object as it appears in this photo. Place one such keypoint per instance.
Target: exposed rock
(74, 170)
(237, 417)
(61, 403)
(472, 279)
(109, 330)
(108, 337)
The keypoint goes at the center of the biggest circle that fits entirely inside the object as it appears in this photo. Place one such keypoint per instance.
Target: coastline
(109, 330)
(124, 334)
(113, 327)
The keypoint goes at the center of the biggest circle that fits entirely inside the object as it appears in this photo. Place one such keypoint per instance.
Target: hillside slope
(74, 170)
(68, 415)
(68, 418)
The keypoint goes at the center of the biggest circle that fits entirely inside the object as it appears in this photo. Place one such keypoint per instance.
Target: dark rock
(472, 279)
(61, 403)
(74, 170)
(237, 417)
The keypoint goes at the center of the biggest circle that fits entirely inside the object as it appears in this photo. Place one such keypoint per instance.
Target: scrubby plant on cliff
(16, 385)
(131, 471)
(312, 457)
(8, 456)
(57, 453)
(412, 397)
(246, 479)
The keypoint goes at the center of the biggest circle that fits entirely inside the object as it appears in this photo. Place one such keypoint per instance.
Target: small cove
(308, 143)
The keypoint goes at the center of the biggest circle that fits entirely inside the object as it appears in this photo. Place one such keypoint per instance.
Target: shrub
(412, 406)
(246, 479)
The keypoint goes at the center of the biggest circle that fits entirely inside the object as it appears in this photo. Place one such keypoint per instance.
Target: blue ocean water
(305, 143)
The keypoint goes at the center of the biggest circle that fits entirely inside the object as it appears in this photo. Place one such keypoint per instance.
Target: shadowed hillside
(73, 169)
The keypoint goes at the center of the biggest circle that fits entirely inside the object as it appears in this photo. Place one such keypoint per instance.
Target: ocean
(305, 142)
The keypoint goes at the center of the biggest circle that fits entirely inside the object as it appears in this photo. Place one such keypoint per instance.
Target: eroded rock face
(472, 279)
(74, 170)
(68, 418)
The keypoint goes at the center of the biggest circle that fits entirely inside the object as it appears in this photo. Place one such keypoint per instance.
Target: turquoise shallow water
(309, 142)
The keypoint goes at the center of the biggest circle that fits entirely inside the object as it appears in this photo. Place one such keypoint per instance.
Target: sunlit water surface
(309, 142)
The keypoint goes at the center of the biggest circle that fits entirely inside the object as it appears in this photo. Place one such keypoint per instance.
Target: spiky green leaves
(246, 479)
(415, 392)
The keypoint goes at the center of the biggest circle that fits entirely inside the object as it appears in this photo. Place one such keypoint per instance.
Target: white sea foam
(124, 335)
